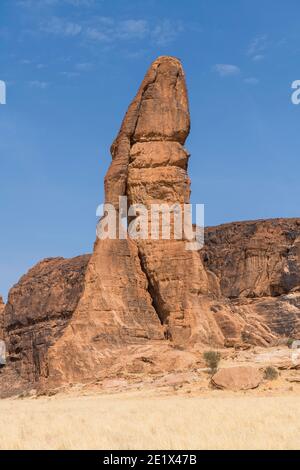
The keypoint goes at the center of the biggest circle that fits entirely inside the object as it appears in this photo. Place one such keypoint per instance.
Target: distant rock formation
(257, 265)
(38, 309)
(255, 259)
(150, 305)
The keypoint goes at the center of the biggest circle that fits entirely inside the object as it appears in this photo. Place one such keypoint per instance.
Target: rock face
(157, 174)
(237, 378)
(257, 265)
(39, 308)
(133, 301)
(2, 306)
(149, 306)
(153, 290)
(255, 259)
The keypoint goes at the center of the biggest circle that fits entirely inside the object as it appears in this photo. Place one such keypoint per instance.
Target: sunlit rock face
(144, 306)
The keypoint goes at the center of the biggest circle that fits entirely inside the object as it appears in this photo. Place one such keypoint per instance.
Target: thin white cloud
(46, 3)
(137, 54)
(251, 81)
(61, 27)
(258, 57)
(81, 3)
(84, 66)
(38, 84)
(96, 34)
(133, 29)
(70, 74)
(106, 29)
(257, 46)
(226, 70)
(166, 31)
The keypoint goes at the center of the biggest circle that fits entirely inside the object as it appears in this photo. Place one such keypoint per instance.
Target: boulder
(237, 378)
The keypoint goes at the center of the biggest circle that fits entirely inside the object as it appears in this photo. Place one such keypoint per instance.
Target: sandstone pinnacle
(149, 306)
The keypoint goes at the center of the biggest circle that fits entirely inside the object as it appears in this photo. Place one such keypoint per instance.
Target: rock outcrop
(132, 301)
(157, 174)
(38, 310)
(257, 265)
(255, 259)
(143, 305)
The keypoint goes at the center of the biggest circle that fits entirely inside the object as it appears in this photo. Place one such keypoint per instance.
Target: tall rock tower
(147, 290)
(149, 305)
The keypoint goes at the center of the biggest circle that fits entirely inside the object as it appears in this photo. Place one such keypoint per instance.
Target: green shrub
(270, 373)
(290, 342)
(212, 359)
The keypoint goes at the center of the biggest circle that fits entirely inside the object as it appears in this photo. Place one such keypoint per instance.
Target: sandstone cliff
(149, 306)
(38, 309)
(257, 265)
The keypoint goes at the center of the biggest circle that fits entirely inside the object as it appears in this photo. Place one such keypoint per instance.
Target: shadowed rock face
(157, 174)
(257, 265)
(255, 259)
(39, 307)
(99, 316)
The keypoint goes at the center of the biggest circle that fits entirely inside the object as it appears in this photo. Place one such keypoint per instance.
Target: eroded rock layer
(137, 291)
(157, 174)
(149, 306)
(257, 265)
(255, 259)
(38, 310)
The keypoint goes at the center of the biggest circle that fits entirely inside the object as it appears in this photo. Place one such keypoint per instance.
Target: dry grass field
(125, 421)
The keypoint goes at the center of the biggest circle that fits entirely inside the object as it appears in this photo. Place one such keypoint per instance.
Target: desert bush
(290, 342)
(271, 373)
(212, 359)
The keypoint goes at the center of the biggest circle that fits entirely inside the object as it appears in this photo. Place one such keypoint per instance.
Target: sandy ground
(173, 410)
(133, 421)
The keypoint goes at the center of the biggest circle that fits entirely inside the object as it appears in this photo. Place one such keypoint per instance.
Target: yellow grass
(134, 422)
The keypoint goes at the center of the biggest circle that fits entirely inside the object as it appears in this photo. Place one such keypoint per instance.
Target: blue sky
(73, 66)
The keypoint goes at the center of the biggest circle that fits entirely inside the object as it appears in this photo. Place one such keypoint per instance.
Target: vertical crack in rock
(151, 290)
(157, 174)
